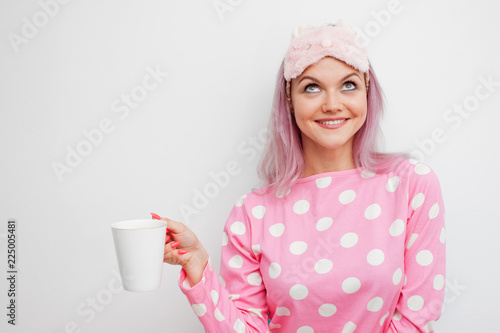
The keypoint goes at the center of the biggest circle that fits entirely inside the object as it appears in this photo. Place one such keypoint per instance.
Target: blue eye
(349, 85)
(312, 88)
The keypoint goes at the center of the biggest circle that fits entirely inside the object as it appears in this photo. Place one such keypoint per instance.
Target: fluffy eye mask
(309, 45)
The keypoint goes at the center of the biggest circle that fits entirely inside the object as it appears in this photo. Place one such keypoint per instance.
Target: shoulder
(256, 197)
(415, 171)
(422, 181)
(251, 201)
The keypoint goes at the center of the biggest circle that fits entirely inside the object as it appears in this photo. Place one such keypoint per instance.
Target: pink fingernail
(175, 244)
(182, 251)
(155, 216)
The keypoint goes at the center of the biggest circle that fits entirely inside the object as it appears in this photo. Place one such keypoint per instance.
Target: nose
(332, 102)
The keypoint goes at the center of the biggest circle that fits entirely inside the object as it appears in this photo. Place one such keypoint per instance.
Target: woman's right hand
(183, 248)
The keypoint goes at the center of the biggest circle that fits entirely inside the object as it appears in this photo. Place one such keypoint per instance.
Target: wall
(114, 109)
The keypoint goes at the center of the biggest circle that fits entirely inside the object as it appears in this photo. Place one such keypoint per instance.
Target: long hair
(283, 160)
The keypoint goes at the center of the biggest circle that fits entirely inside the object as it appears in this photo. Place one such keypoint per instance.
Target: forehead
(330, 67)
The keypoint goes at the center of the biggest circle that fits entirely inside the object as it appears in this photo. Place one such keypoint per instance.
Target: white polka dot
(281, 195)
(397, 228)
(375, 257)
(255, 312)
(429, 326)
(417, 201)
(424, 258)
(375, 304)
(397, 315)
(238, 228)
(323, 266)
(299, 292)
(282, 311)
(233, 297)
(347, 196)
(397, 276)
(236, 262)
(349, 240)
(256, 249)
(327, 310)
(199, 309)
(349, 327)
(254, 279)
(225, 239)
(412, 161)
(392, 184)
(222, 281)
(438, 283)
(434, 211)
(218, 315)
(323, 182)
(373, 211)
(274, 270)
(415, 302)
(442, 235)
(406, 280)
(422, 169)
(367, 174)
(239, 202)
(215, 297)
(305, 329)
(351, 285)
(258, 212)
(298, 247)
(272, 326)
(277, 229)
(301, 207)
(412, 240)
(186, 283)
(324, 223)
(239, 326)
(382, 320)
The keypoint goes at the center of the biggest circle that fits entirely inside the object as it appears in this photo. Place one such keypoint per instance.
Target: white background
(66, 77)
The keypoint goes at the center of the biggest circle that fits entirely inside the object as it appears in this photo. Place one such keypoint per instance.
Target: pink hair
(283, 160)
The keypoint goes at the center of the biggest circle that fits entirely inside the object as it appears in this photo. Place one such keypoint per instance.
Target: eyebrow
(342, 79)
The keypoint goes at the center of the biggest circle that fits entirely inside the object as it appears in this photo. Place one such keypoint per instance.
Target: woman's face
(329, 103)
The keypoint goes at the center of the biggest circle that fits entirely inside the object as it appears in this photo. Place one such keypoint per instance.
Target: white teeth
(332, 122)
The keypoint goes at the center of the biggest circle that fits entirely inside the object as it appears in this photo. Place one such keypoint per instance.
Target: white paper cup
(139, 246)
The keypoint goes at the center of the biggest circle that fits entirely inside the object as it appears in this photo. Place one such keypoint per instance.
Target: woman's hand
(182, 247)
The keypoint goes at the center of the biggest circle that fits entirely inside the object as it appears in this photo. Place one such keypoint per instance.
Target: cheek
(301, 108)
(359, 109)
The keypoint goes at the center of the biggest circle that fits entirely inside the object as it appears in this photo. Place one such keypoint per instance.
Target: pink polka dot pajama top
(346, 251)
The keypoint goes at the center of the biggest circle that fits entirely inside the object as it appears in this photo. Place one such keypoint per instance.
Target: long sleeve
(422, 295)
(236, 302)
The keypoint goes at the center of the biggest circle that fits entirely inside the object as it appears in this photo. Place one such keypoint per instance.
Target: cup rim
(122, 225)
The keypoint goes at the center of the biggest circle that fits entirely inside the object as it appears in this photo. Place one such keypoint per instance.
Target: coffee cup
(139, 246)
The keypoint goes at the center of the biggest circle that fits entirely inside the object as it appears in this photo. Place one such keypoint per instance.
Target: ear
(345, 25)
(300, 29)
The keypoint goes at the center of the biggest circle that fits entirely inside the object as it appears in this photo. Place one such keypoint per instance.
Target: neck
(320, 159)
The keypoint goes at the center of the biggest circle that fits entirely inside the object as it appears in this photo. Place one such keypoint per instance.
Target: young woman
(342, 238)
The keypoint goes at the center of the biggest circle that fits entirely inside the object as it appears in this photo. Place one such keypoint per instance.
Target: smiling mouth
(331, 122)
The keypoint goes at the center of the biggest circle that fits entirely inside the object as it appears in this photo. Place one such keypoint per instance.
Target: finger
(167, 250)
(174, 226)
(176, 257)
